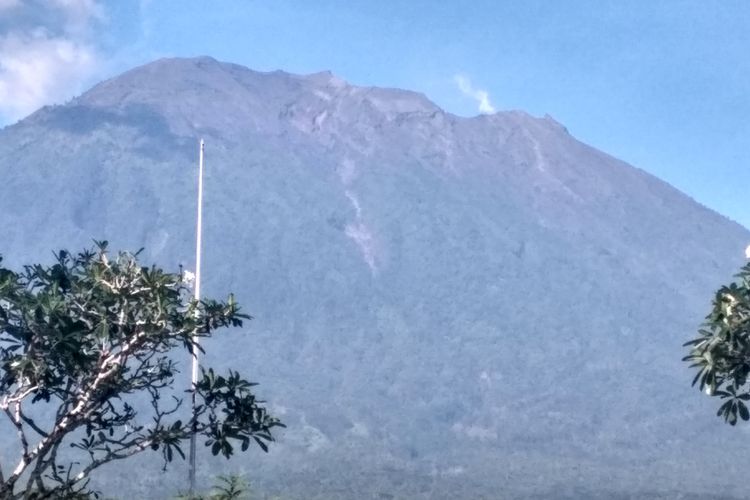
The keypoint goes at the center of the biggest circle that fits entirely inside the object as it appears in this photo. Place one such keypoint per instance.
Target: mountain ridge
(325, 77)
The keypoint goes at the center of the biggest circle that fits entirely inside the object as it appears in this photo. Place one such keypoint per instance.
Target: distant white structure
(747, 252)
(188, 277)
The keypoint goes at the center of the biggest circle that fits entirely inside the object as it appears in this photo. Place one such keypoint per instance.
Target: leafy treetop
(721, 351)
(86, 363)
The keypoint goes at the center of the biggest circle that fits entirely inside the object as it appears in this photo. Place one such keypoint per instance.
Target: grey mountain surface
(444, 307)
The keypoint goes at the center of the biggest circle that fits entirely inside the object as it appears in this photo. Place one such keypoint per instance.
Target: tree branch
(30, 422)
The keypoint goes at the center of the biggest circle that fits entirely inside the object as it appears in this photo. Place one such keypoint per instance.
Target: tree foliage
(87, 351)
(721, 351)
(230, 487)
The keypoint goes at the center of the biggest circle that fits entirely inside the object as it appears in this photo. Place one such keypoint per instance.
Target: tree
(721, 351)
(87, 351)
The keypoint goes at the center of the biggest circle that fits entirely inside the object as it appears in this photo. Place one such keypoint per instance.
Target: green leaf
(744, 414)
(724, 408)
(179, 450)
(262, 445)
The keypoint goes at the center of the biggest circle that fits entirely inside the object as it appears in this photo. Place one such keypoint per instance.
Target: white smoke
(481, 96)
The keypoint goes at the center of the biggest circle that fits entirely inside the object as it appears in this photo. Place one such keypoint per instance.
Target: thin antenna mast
(194, 378)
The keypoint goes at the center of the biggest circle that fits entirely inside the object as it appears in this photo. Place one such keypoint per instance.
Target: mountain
(444, 307)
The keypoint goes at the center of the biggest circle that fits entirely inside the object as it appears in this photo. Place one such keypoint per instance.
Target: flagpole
(195, 350)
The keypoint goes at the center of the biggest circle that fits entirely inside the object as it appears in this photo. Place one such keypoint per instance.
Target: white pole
(194, 378)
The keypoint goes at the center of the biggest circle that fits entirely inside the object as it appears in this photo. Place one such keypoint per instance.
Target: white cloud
(49, 59)
(38, 69)
(481, 96)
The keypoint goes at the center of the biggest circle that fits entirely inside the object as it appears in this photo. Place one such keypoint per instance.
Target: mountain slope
(444, 306)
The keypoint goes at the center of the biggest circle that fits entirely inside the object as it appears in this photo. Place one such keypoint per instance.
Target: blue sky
(663, 85)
